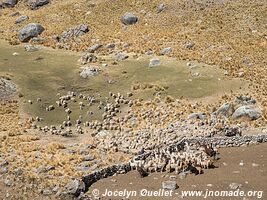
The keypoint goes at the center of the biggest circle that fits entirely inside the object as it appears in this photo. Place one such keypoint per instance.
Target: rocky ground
(45, 158)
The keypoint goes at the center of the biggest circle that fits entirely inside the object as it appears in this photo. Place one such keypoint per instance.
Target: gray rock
(30, 48)
(47, 192)
(9, 3)
(169, 185)
(110, 46)
(88, 72)
(13, 14)
(121, 56)
(197, 116)
(154, 62)
(189, 45)
(88, 158)
(246, 111)
(3, 162)
(75, 31)
(166, 51)
(87, 58)
(18, 172)
(94, 48)
(182, 175)
(235, 186)
(8, 182)
(21, 19)
(29, 31)
(161, 7)
(35, 4)
(225, 109)
(75, 187)
(129, 18)
(245, 100)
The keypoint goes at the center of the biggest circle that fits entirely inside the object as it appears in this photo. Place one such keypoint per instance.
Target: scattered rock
(245, 100)
(88, 72)
(182, 175)
(18, 172)
(9, 3)
(225, 109)
(94, 48)
(29, 31)
(189, 45)
(161, 7)
(166, 51)
(87, 58)
(21, 19)
(169, 185)
(75, 31)
(75, 187)
(8, 182)
(129, 18)
(121, 56)
(246, 111)
(13, 14)
(154, 62)
(197, 116)
(235, 186)
(255, 165)
(35, 4)
(47, 192)
(30, 48)
(110, 46)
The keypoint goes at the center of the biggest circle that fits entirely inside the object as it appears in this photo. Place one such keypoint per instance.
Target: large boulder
(35, 4)
(129, 19)
(9, 3)
(29, 31)
(247, 111)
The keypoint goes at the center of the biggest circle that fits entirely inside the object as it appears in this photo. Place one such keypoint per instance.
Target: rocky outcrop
(35, 4)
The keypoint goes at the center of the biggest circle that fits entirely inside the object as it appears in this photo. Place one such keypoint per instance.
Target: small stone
(255, 165)
(8, 182)
(121, 56)
(129, 19)
(169, 185)
(94, 48)
(154, 62)
(166, 51)
(182, 175)
(161, 7)
(75, 187)
(209, 185)
(235, 186)
(21, 19)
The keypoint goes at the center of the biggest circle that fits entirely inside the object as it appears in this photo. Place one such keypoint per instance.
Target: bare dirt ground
(252, 177)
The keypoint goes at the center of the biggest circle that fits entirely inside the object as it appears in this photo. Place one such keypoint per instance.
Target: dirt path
(228, 171)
